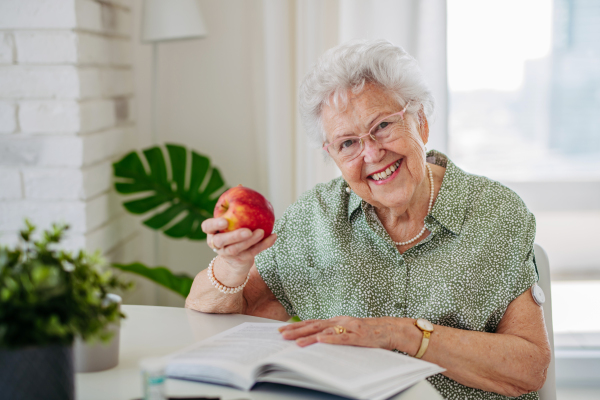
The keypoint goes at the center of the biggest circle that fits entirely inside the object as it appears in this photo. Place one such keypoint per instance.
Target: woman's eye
(383, 124)
(345, 144)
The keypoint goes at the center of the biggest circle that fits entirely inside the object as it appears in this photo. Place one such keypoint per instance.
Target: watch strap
(424, 344)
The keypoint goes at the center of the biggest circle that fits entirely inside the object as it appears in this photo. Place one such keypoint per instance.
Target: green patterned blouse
(333, 257)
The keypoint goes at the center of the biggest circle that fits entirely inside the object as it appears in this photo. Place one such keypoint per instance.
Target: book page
(231, 356)
(349, 367)
(254, 352)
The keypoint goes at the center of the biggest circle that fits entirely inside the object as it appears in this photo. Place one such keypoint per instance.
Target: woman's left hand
(364, 332)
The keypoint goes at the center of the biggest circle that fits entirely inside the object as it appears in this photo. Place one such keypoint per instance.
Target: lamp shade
(171, 20)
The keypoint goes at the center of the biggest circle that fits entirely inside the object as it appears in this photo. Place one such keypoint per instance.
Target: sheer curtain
(296, 33)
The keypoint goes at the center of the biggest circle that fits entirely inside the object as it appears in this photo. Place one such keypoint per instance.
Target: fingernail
(223, 224)
(246, 234)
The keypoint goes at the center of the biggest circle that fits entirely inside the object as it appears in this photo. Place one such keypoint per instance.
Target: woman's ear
(423, 126)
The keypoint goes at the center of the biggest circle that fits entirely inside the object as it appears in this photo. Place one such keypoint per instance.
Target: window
(524, 79)
(524, 95)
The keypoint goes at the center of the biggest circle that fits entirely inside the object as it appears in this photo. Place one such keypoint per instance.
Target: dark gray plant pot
(37, 373)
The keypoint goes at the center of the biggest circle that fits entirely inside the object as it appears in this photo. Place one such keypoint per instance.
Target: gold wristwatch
(426, 327)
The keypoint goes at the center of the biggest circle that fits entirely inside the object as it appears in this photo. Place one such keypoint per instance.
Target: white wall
(66, 113)
(209, 99)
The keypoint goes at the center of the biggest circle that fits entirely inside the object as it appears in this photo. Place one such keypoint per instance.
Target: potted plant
(175, 199)
(48, 297)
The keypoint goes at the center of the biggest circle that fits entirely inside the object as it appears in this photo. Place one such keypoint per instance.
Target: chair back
(548, 391)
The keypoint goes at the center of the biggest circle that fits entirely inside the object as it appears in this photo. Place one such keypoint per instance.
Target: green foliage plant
(179, 283)
(178, 198)
(48, 296)
(176, 194)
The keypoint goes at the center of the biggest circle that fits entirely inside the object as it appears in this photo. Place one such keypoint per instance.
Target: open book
(256, 352)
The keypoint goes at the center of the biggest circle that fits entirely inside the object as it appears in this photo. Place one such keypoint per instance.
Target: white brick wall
(101, 209)
(46, 151)
(10, 184)
(97, 49)
(27, 14)
(97, 115)
(128, 252)
(65, 150)
(53, 184)
(42, 213)
(89, 15)
(103, 18)
(8, 117)
(49, 116)
(116, 82)
(90, 83)
(46, 47)
(70, 116)
(107, 144)
(66, 93)
(97, 179)
(110, 235)
(39, 82)
(98, 82)
(6, 48)
(67, 183)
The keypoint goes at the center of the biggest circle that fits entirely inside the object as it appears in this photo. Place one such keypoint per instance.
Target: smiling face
(384, 175)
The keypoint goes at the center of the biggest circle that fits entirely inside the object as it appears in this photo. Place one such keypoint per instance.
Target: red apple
(245, 208)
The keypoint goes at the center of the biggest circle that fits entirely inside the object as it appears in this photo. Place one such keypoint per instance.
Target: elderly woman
(405, 251)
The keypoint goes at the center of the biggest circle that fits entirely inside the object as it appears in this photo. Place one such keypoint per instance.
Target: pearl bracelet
(220, 287)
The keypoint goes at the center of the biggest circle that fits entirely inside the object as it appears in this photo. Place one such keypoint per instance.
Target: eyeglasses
(385, 130)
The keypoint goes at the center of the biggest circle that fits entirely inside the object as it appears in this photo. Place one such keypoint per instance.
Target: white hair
(348, 67)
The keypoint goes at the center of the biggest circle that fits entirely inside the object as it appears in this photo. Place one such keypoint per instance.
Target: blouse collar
(450, 206)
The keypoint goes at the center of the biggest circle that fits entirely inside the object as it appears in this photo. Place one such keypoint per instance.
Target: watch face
(425, 325)
(538, 294)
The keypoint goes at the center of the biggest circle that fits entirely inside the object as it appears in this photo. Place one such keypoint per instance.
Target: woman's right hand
(237, 248)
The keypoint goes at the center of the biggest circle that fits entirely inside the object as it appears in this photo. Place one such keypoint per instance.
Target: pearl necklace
(428, 210)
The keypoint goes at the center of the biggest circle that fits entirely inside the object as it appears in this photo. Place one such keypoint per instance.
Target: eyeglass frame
(360, 138)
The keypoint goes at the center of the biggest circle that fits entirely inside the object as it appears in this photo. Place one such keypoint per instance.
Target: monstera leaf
(179, 283)
(178, 198)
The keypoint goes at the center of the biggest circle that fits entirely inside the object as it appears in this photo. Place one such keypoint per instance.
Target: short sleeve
(267, 264)
(526, 274)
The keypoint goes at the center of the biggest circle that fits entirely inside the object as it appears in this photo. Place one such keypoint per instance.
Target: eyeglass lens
(383, 131)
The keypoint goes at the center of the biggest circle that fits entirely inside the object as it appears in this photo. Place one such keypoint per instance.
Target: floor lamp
(167, 20)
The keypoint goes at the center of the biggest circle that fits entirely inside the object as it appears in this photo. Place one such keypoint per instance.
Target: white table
(157, 331)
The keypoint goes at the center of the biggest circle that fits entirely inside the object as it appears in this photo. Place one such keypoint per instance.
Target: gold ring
(212, 245)
(339, 329)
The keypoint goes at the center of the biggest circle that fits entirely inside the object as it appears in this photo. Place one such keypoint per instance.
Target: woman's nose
(372, 151)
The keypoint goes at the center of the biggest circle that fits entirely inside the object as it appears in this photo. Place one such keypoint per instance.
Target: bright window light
(490, 42)
(524, 78)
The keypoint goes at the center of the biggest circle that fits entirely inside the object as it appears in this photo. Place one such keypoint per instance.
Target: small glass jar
(153, 378)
